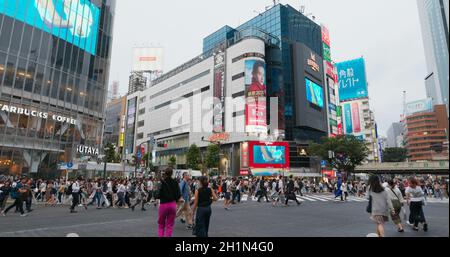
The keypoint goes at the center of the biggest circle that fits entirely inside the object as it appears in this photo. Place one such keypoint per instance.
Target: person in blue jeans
(204, 196)
(185, 209)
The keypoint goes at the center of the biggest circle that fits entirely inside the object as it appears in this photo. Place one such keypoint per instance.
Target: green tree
(193, 157)
(172, 161)
(395, 154)
(146, 159)
(110, 153)
(349, 152)
(212, 156)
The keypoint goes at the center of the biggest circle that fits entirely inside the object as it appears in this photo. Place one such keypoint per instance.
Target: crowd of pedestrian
(190, 199)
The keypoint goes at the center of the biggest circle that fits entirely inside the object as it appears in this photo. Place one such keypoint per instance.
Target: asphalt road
(247, 219)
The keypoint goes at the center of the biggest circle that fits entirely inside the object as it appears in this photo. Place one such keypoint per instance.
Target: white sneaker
(24, 215)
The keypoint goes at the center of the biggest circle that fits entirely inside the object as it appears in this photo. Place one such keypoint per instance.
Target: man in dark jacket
(290, 195)
(263, 191)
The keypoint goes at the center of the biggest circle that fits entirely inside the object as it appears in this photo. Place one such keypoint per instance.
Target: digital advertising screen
(314, 93)
(269, 155)
(352, 80)
(76, 21)
(255, 93)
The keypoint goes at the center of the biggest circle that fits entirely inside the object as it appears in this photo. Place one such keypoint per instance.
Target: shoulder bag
(369, 205)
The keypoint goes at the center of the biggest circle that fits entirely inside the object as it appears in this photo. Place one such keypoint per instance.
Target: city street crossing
(247, 219)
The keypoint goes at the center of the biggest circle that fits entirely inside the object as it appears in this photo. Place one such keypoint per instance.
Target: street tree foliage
(395, 154)
(193, 157)
(212, 157)
(110, 153)
(172, 161)
(349, 152)
(146, 159)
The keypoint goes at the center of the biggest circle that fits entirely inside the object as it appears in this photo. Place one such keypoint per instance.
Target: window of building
(141, 123)
(141, 111)
(140, 136)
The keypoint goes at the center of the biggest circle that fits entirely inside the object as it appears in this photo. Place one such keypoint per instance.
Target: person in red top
(257, 88)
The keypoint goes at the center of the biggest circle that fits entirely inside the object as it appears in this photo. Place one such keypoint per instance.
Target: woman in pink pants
(168, 195)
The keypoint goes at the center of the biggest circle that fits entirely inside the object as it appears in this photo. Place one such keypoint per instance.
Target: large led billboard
(75, 21)
(314, 93)
(269, 155)
(255, 93)
(352, 80)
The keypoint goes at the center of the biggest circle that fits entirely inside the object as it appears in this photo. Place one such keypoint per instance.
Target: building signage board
(88, 150)
(219, 93)
(326, 53)
(255, 92)
(312, 63)
(425, 105)
(326, 36)
(148, 59)
(36, 113)
(352, 80)
(76, 21)
(244, 156)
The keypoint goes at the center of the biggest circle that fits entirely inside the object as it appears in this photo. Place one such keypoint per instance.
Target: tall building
(276, 54)
(53, 83)
(115, 123)
(394, 132)
(137, 82)
(357, 117)
(331, 87)
(435, 33)
(426, 131)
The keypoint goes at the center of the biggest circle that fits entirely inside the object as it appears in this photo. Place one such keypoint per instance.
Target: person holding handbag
(168, 194)
(397, 202)
(204, 196)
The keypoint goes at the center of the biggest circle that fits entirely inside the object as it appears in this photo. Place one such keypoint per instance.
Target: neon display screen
(269, 155)
(75, 21)
(314, 93)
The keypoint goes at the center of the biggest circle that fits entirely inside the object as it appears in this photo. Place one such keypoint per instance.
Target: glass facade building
(290, 27)
(435, 33)
(54, 71)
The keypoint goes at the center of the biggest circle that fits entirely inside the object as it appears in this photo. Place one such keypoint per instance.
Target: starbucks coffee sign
(87, 150)
(36, 113)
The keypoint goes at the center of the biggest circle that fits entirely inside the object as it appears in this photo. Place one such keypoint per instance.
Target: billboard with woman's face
(255, 92)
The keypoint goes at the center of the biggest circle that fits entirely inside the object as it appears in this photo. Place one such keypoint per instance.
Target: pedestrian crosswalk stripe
(325, 198)
(318, 198)
(309, 199)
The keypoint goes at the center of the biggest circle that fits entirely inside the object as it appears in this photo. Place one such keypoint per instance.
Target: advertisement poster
(348, 119)
(255, 92)
(352, 80)
(75, 21)
(219, 93)
(314, 93)
(273, 155)
(356, 118)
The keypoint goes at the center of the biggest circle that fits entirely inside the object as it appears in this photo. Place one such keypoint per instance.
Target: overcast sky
(387, 33)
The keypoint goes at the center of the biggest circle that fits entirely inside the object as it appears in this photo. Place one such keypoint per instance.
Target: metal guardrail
(405, 166)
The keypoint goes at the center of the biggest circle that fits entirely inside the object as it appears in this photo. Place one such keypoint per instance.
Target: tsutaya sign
(87, 150)
(34, 113)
